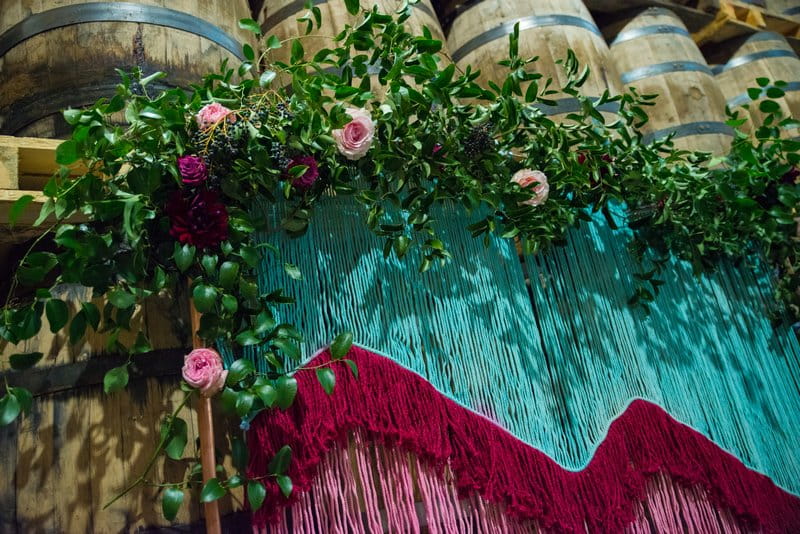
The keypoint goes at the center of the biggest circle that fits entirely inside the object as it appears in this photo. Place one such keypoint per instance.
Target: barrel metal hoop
(755, 56)
(766, 36)
(657, 29)
(692, 128)
(290, 9)
(573, 105)
(649, 71)
(26, 112)
(792, 11)
(116, 12)
(744, 98)
(525, 23)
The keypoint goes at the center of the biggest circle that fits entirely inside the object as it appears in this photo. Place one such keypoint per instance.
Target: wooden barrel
(279, 18)
(479, 37)
(64, 53)
(787, 8)
(763, 55)
(656, 54)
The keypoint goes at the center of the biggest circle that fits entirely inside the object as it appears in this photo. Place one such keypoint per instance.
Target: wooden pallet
(735, 19)
(26, 164)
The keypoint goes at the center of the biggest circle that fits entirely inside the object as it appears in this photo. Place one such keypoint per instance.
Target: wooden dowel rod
(205, 427)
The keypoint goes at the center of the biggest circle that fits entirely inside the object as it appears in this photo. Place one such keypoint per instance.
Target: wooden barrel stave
(42, 70)
(479, 37)
(279, 18)
(764, 55)
(655, 53)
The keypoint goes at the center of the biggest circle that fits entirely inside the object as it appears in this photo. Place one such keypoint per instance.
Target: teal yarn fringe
(556, 364)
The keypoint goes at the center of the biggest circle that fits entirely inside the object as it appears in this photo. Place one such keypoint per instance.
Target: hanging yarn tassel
(555, 367)
(394, 406)
(346, 475)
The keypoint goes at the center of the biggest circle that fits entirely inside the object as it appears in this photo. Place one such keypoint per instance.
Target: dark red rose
(200, 220)
(193, 170)
(310, 176)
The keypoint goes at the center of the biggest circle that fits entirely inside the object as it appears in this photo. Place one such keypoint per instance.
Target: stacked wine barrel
(655, 54)
(764, 55)
(479, 37)
(79, 447)
(279, 18)
(59, 54)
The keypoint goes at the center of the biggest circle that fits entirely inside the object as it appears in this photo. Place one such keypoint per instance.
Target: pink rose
(355, 138)
(534, 180)
(202, 369)
(213, 113)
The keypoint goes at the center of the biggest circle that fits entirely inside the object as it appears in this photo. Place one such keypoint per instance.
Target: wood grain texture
(48, 72)
(549, 43)
(735, 81)
(684, 96)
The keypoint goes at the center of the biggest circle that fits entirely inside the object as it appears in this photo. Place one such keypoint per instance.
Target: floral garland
(175, 195)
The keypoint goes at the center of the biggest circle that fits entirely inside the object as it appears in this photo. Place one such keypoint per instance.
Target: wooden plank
(8, 489)
(34, 472)
(42, 380)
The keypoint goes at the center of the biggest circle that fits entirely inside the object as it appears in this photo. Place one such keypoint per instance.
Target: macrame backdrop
(555, 362)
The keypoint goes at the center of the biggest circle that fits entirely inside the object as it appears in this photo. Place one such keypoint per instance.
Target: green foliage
(440, 138)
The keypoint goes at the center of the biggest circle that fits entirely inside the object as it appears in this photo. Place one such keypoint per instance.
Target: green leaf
(239, 370)
(247, 338)
(353, 6)
(353, 367)
(209, 263)
(256, 492)
(115, 379)
(24, 361)
(266, 78)
(18, 207)
(77, 328)
(57, 313)
(212, 490)
(287, 347)
(250, 255)
(327, 379)
(264, 322)
(285, 483)
(280, 462)
(141, 345)
(9, 409)
(251, 26)
(244, 403)
(345, 91)
(230, 303)
(183, 256)
(178, 439)
(286, 386)
(228, 274)
(205, 298)
(762, 82)
(293, 271)
(67, 153)
(92, 314)
(121, 299)
(341, 345)
(239, 453)
(248, 52)
(267, 394)
(72, 116)
(273, 42)
(297, 51)
(171, 502)
(24, 398)
(768, 106)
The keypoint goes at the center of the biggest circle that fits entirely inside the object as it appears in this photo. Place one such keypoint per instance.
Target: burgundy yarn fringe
(396, 407)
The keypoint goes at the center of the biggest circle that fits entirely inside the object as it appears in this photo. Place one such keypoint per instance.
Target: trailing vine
(176, 196)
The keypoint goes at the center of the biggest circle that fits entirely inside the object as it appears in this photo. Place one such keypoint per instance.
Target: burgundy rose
(193, 170)
(200, 220)
(311, 174)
